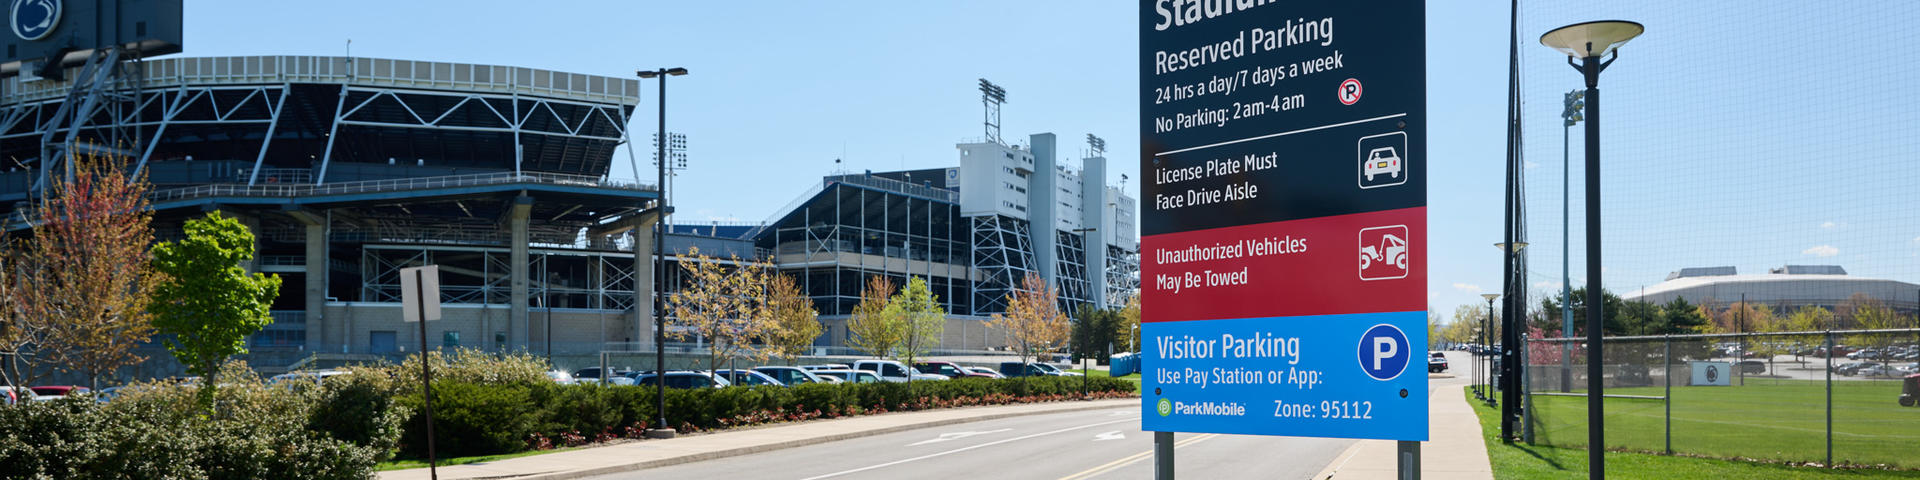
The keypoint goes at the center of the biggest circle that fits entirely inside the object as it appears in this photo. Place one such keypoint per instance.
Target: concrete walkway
(1455, 449)
(632, 456)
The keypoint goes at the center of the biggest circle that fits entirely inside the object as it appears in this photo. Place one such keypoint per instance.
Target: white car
(893, 371)
(1382, 161)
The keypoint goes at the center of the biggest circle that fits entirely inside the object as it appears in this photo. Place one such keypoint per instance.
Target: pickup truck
(892, 371)
(947, 369)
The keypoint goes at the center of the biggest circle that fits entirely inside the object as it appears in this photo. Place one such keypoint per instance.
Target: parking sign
(1284, 234)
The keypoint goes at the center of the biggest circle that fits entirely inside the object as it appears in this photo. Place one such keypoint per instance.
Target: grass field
(1519, 461)
(1768, 419)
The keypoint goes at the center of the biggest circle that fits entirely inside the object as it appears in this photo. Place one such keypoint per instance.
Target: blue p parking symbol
(1384, 352)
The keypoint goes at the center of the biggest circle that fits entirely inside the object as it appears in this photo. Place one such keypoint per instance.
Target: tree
(206, 301)
(875, 332)
(1033, 322)
(81, 283)
(1809, 318)
(1093, 333)
(793, 324)
(1611, 322)
(719, 304)
(1683, 317)
(921, 318)
(1127, 326)
(1871, 314)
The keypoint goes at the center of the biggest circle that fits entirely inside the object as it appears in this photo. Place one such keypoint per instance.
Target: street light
(1511, 323)
(660, 262)
(1086, 330)
(1486, 324)
(1588, 42)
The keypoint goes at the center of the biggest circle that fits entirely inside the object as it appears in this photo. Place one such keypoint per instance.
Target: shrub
(472, 419)
(354, 409)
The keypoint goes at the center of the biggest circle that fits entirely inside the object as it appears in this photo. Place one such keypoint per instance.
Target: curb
(735, 452)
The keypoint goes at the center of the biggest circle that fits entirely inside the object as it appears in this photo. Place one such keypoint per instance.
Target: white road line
(1281, 134)
(962, 449)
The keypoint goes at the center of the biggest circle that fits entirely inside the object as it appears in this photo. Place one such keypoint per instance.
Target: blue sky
(1714, 157)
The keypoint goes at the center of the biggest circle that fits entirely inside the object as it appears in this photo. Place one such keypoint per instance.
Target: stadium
(350, 169)
(1783, 289)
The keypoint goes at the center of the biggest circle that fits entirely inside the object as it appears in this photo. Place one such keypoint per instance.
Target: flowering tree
(793, 323)
(1033, 322)
(78, 293)
(875, 332)
(720, 304)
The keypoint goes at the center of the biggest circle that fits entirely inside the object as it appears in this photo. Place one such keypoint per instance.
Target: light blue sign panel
(1346, 376)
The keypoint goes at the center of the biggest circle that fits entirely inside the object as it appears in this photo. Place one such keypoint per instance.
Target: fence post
(1667, 398)
(1829, 398)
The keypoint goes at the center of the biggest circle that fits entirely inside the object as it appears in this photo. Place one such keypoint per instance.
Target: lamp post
(1511, 323)
(1571, 115)
(1588, 42)
(1486, 328)
(1086, 331)
(663, 430)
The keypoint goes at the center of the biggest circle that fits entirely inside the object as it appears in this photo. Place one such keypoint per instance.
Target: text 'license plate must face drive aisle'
(1283, 275)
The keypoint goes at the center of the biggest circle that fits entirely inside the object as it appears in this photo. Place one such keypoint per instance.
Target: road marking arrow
(1113, 435)
(954, 436)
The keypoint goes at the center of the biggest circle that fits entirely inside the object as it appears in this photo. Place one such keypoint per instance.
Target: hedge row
(158, 432)
(476, 419)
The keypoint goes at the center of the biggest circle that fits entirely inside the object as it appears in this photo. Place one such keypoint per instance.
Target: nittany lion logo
(34, 19)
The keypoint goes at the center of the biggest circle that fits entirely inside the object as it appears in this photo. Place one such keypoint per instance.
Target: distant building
(973, 231)
(1786, 288)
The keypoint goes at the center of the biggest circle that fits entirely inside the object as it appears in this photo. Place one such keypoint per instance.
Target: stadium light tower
(1588, 42)
(663, 430)
(1571, 115)
(991, 96)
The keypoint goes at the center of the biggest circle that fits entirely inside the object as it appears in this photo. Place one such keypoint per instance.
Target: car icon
(1382, 160)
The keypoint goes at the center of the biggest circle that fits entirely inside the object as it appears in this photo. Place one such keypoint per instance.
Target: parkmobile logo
(34, 19)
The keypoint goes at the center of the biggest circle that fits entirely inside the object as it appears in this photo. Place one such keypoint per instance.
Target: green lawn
(1769, 419)
(422, 463)
(1519, 461)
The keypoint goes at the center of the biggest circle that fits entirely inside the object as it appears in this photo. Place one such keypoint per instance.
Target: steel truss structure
(1003, 255)
(477, 275)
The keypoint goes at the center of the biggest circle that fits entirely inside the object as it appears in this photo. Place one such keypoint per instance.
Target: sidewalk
(632, 456)
(1455, 449)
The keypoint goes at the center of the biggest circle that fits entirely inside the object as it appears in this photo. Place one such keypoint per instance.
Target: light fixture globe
(1592, 39)
(1490, 296)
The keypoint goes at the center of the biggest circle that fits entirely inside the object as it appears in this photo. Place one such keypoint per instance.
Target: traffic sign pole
(1162, 455)
(426, 368)
(1284, 224)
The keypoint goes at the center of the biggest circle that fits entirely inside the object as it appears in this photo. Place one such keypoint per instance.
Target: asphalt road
(1073, 445)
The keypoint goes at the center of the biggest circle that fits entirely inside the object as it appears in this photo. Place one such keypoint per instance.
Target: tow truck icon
(1386, 246)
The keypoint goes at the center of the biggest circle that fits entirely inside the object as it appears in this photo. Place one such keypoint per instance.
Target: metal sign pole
(1162, 455)
(1409, 454)
(426, 370)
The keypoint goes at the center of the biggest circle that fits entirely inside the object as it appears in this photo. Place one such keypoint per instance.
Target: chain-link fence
(1825, 397)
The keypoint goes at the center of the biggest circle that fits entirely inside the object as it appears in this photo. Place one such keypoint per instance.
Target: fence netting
(1817, 397)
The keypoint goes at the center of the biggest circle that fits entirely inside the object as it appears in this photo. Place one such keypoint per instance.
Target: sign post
(420, 302)
(1284, 271)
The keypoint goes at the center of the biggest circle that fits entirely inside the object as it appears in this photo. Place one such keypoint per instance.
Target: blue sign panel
(1283, 248)
(1271, 376)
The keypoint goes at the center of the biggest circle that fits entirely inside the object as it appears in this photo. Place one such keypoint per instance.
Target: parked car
(1908, 369)
(984, 371)
(946, 369)
(54, 392)
(893, 371)
(853, 376)
(1876, 370)
(8, 397)
(1753, 367)
(561, 377)
(828, 366)
(593, 373)
(789, 376)
(1853, 368)
(1014, 369)
(682, 379)
(1436, 362)
(748, 378)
